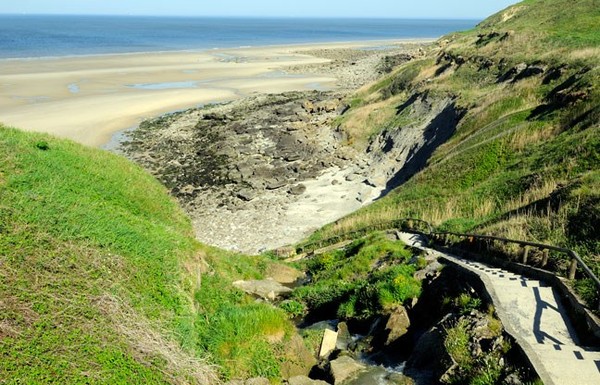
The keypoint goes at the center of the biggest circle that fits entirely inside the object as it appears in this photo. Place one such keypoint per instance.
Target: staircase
(532, 314)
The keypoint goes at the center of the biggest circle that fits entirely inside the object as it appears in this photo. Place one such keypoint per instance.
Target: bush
(324, 293)
(401, 81)
(293, 308)
(457, 345)
(42, 145)
(466, 303)
(489, 371)
(396, 285)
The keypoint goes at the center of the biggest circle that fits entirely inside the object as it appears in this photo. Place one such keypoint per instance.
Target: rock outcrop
(345, 368)
(397, 324)
(397, 153)
(304, 380)
(267, 289)
(245, 170)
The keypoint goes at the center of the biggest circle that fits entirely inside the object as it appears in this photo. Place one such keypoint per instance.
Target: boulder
(290, 156)
(282, 273)
(246, 194)
(283, 252)
(275, 184)
(397, 324)
(430, 355)
(298, 189)
(303, 380)
(328, 106)
(257, 381)
(345, 368)
(328, 343)
(352, 177)
(309, 106)
(344, 338)
(399, 379)
(268, 289)
(297, 360)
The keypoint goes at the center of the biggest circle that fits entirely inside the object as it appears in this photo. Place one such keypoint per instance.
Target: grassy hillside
(524, 159)
(101, 280)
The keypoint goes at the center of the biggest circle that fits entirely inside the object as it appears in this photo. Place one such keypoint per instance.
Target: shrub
(42, 145)
(293, 308)
(323, 293)
(489, 371)
(457, 345)
(397, 290)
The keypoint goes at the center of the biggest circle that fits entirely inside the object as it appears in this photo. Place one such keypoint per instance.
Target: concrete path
(532, 314)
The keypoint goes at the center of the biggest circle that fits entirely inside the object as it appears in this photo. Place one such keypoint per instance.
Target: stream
(382, 369)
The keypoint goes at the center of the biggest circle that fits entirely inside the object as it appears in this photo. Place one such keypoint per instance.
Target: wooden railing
(481, 244)
(408, 224)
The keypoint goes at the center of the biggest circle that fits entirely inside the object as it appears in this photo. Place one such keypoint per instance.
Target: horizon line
(248, 16)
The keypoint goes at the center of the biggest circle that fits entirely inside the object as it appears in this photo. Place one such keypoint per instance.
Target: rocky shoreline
(264, 171)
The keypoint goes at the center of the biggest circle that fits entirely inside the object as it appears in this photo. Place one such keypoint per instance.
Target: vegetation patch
(370, 275)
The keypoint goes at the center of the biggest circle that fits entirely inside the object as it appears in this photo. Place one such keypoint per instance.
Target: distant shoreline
(344, 43)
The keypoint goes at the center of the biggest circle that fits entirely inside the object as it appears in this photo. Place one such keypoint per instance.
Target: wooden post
(545, 257)
(525, 254)
(573, 268)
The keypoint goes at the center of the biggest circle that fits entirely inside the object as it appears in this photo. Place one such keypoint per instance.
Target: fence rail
(404, 224)
(414, 225)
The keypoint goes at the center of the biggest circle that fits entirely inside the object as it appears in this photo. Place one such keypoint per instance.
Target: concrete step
(502, 281)
(502, 274)
(568, 364)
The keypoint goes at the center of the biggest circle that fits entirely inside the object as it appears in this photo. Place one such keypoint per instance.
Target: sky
(445, 9)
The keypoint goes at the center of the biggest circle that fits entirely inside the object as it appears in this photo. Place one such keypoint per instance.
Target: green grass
(477, 367)
(535, 29)
(457, 345)
(369, 276)
(102, 281)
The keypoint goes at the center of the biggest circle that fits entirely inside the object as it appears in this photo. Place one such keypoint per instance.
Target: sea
(34, 36)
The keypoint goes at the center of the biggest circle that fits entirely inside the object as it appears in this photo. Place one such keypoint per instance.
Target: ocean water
(25, 36)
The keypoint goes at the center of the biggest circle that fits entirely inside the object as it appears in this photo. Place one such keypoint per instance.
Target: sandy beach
(89, 98)
(282, 171)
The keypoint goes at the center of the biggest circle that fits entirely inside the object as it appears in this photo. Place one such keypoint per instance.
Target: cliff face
(516, 104)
